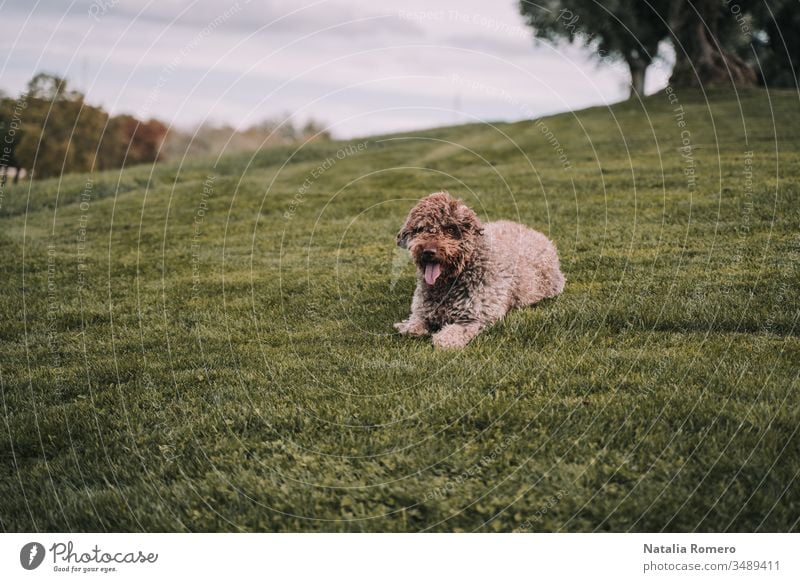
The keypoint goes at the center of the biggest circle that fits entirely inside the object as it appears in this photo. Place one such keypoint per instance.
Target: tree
(314, 130)
(148, 140)
(47, 87)
(128, 141)
(708, 38)
(629, 30)
(10, 135)
(714, 40)
(779, 44)
(60, 131)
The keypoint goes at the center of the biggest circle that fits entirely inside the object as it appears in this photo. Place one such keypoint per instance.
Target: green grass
(240, 372)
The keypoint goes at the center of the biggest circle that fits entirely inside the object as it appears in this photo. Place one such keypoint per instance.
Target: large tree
(779, 44)
(628, 30)
(714, 40)
(708, 37)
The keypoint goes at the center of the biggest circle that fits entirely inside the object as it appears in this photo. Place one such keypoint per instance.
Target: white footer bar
(388, 557)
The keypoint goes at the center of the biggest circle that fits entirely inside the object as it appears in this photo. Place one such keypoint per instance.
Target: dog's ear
(468, 221)
(402, 238)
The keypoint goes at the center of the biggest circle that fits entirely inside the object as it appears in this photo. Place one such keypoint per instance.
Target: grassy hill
(210, 347)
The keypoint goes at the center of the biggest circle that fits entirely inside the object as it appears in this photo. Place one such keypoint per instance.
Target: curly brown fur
(470, 274)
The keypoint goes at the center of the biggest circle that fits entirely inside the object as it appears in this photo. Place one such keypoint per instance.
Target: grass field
(210, 346)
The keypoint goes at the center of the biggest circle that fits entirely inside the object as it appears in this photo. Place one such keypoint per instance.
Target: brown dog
(470, 274)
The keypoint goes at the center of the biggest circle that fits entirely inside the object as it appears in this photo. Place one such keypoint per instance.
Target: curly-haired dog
(470, 274)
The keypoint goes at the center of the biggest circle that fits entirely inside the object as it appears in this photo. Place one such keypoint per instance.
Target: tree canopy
(716, 41)
(50, 130)
(617, 29)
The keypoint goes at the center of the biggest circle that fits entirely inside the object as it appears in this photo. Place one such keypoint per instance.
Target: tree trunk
(700, 60)
(638, 70)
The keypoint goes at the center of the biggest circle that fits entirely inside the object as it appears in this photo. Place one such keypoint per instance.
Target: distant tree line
(50, 130)
(716, 42)
(210, 140)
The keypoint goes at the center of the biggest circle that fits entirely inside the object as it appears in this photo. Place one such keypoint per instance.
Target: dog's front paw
(410, 327)
(452, 337)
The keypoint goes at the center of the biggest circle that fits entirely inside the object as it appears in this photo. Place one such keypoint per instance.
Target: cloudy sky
(362, 67)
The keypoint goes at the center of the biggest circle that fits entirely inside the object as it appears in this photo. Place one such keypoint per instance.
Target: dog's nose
(428, 253)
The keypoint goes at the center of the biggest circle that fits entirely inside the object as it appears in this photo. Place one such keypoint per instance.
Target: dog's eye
(453, 231)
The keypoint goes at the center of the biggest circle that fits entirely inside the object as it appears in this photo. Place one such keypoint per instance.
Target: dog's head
(441, 233)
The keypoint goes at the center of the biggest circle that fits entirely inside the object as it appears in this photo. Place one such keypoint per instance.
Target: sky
(359, 67)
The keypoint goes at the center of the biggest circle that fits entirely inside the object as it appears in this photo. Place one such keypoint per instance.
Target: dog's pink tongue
(432, 272)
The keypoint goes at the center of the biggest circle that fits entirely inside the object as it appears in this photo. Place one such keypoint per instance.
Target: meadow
(208, 346)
